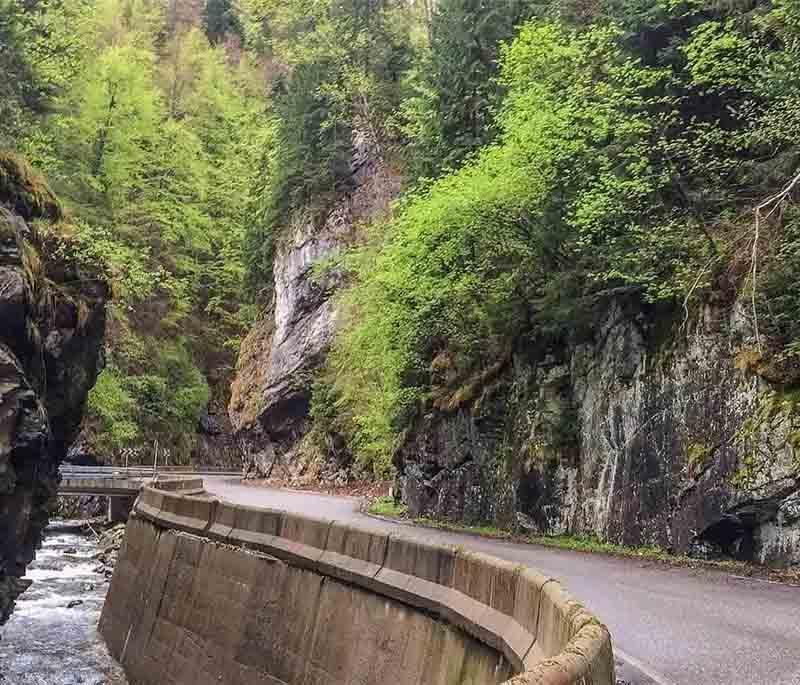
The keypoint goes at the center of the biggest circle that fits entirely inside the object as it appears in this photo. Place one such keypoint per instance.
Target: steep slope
(644, 435)
(272, 389)
(586, 325)
(53, 320)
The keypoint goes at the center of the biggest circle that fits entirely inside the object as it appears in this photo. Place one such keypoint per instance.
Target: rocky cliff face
(52, 321)
(271, 392)
(649, 432)
(646, 434)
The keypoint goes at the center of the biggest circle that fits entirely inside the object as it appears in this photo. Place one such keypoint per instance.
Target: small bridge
(122, 485)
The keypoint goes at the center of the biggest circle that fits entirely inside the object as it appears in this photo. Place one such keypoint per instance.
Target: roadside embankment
(206, 591)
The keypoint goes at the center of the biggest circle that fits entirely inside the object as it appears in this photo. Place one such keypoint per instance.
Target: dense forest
(553, 154)
(149, 129)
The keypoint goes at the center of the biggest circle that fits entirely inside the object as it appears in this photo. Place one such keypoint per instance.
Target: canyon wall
(655, 427)
(271, 392)
(52, 322)
(649, 432)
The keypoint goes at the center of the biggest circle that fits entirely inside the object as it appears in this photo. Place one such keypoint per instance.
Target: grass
(484, 530)
(569, 542)
(386, 506)
(595, 546)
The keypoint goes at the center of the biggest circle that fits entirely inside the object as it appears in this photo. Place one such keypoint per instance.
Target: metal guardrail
(71, 471)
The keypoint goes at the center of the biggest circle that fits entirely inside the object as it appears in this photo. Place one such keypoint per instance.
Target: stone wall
(208, 592)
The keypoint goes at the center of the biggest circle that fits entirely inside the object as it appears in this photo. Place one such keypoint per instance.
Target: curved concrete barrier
(540, 634)
(186, 486)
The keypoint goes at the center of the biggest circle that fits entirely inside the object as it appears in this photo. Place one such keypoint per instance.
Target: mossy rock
(25, 191)
(8, 227)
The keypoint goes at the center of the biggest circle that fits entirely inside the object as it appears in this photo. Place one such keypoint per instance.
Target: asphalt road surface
(670, 626)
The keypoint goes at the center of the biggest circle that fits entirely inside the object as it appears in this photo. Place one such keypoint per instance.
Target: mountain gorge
(145, 118)
(585, 327)
(533, 261)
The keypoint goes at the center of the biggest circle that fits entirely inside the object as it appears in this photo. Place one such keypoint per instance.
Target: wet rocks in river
(109, 544)
(81, 507)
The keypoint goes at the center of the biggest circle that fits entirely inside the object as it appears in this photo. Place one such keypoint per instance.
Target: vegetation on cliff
(150, 133)
(557, 154)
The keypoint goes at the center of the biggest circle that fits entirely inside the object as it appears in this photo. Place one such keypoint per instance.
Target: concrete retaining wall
(186, 486)
(230, 594)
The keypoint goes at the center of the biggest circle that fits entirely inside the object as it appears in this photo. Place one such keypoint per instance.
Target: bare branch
(773, 203)
(696, 283)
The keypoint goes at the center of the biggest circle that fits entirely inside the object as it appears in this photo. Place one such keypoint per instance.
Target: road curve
(670, 626)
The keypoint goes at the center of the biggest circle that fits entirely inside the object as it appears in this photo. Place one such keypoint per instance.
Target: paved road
(671, 626)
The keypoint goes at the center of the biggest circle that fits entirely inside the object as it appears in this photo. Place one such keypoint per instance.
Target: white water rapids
(46, 642)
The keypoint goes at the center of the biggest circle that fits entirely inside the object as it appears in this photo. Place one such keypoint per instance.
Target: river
(46, 642)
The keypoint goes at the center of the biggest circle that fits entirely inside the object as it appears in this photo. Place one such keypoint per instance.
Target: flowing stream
(47, 642)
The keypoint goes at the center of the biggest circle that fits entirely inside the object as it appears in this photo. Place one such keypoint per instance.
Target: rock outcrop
(650, 431)
(646, 434)
(272, 389)
(52, 322)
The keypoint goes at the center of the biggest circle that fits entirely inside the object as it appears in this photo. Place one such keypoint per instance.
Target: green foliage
(151, 139)
(343, 65)
(387, 506)
(220, 19)
(164, 403)
(18, 87)
(451, 112)
(171, 398)
(618, 167)
(580, 151)
(778, 294)
(469, 255)
(114, 409)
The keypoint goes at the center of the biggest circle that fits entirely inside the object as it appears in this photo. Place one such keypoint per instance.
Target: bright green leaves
(152, 139)
(719, 57)
(167, 402)
(113, 411)
(610, 174)
(117, 114)
(468, 258)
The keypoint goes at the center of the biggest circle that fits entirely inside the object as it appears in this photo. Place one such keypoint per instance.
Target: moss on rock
(51, 339)
(25, 191)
